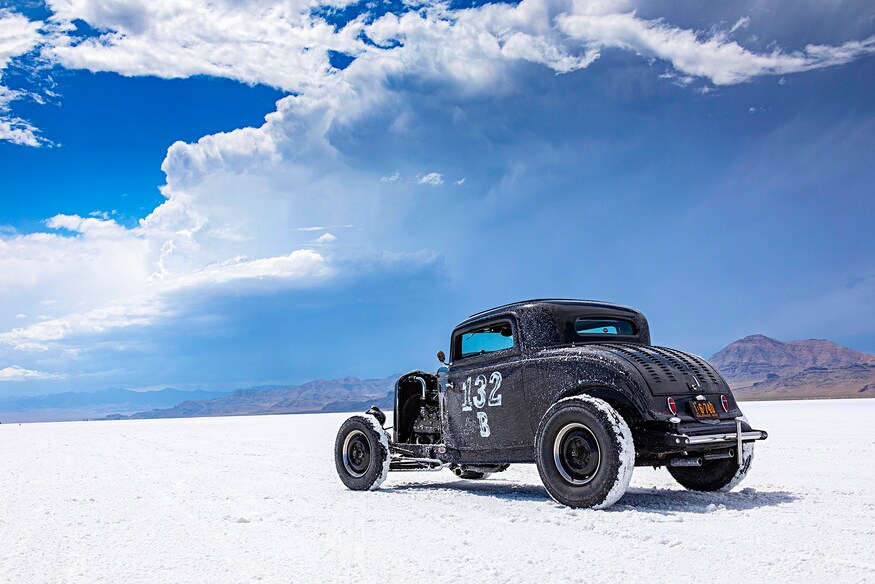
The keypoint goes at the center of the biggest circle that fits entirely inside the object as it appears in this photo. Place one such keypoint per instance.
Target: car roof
(544, 301)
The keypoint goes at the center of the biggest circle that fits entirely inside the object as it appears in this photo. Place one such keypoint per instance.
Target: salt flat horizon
(256, 498)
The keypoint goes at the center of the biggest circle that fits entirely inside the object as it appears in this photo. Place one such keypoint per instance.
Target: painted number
(466, 395)
(480, 398)
(485, 394)
(484, 424)
(494, 396)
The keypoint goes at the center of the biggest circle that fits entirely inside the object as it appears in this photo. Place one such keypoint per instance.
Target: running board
(433, 464)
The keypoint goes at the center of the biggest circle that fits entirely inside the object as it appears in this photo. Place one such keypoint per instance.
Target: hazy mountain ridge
(348, 393)
(760, 367)
(757, 367)
(96, 404)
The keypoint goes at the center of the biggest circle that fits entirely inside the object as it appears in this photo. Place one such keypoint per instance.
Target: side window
(491, 338)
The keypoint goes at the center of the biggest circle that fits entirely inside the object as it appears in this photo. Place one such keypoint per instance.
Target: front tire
(720, 475)
(361, 453)
(585, 453)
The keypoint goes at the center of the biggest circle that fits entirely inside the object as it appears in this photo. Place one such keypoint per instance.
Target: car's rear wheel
(715, 475)
(585, 453)
(361, 453)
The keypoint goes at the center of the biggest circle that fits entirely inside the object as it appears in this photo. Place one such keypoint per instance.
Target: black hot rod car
(573, 386)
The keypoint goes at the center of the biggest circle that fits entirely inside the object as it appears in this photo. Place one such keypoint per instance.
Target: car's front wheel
(361, 453)
(585, 453)
(715, 475)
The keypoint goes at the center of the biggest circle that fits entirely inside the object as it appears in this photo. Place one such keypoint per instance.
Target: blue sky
(211, 197)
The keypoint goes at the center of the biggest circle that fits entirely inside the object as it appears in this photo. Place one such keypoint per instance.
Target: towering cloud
(238, 204)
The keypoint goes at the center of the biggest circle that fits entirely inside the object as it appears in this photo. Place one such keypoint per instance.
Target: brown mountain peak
(763, 362)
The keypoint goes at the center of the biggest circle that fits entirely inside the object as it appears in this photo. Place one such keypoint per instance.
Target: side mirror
(441, 357)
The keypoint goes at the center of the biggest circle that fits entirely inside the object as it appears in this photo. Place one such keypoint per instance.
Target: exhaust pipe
(719, 455)
(422, 383)
(688, 461)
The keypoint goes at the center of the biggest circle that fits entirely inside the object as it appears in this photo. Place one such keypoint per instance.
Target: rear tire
(585, 453)
(361, 453)
(716, 475)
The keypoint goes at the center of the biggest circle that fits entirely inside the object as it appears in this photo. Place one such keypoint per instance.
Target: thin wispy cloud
(740, 24)
(16, 373)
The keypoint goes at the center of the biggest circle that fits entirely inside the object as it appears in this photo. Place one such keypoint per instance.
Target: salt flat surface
(257, 498)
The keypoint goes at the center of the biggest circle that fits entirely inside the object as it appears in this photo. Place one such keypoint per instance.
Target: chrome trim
(557, 457)
(738, 434)
(718, 438)
(422, 383)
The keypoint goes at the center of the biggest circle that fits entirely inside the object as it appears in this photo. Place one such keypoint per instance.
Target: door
(485, 402)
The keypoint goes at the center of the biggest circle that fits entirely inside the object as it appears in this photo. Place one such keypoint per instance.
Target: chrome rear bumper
(721, 438)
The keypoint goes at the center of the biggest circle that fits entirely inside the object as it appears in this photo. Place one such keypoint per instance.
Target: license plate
(704, 410)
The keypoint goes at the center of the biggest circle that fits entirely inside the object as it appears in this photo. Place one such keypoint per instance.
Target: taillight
(672, 406)
(724, 401)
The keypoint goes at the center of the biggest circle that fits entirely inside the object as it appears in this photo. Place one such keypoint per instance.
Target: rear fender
(571, 373)
(632, 410)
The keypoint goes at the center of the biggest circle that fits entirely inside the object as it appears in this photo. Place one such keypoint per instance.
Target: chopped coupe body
(573, 386)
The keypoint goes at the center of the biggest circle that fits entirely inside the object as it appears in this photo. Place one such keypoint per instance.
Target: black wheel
(585, 453)
(714, 475)
(361, 453)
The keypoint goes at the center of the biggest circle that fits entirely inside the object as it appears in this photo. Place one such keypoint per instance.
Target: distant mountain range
(331, 395)
(760, 367)
(757, 367)
(61, 407)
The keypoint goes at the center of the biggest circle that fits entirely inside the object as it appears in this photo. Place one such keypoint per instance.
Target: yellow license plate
(703, 410)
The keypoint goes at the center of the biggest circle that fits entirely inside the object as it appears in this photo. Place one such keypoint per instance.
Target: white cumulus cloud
(286, 45)
(18, 36)
(432, 178)
(325, 238)
(238, 204)
(16, 373)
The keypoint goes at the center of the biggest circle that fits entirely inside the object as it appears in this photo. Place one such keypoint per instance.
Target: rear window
(488, 339)
(590, 325)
